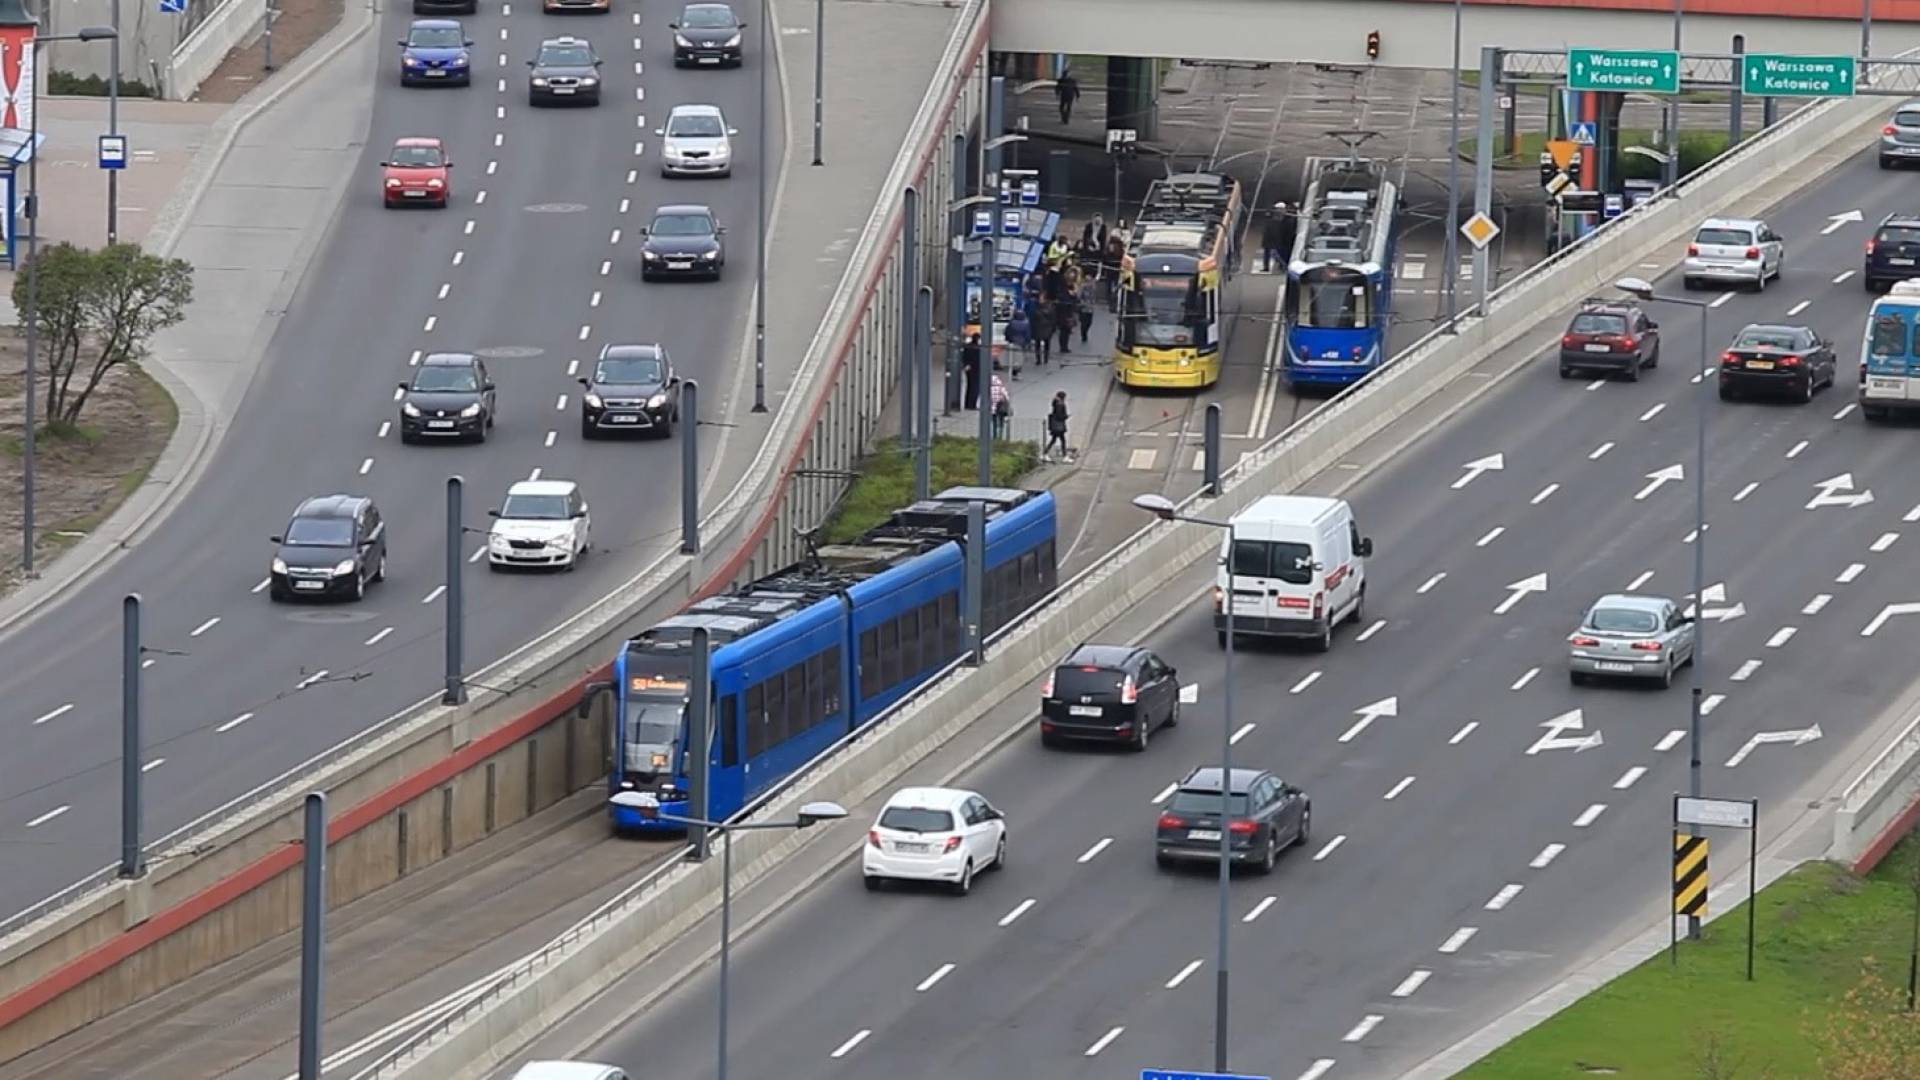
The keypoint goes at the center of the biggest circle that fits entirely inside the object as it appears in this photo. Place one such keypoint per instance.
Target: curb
(198, 431)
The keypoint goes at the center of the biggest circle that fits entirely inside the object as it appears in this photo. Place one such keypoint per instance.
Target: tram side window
(1049, 569)
(728, 714)
(870, 681)
(816, 689)
(831, 692)
(776, 712)
(889, 653)
(950, 619)
(756, 719)
(909, 621)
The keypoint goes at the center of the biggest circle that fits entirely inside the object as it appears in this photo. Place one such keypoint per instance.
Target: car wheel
(1359, 607)
(666, 428)
(1324, 642)
(277, 595)
(1139, 743)
(573, 563)
(359, 585)
(380, 568)
(1566, 372)
(1000, 854)
(1633, 372)
(480, 436)
(1163, 860)
(587, 429)
(1577, 678)
(1873, 413)
(1306, 827)
(965, 884)
(1666, 676)
(1653, 360)
(1886, 163)
(1270, 856)
(405, 439)
(873, 883)
(1726, 393)
(1173, 714)
(1689, 284)
(1049, 740)
(1806, 389)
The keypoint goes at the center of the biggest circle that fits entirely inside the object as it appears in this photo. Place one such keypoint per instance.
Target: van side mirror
(403, 386)
(1364, 548)
(486, 386)
(493, 513)
(587, 693)
(584, 381)
(277, 539)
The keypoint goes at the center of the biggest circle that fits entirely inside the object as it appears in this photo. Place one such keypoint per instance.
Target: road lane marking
(1394, 792)
(928, 983)
(467, 229)
(1259, 909)
(1164, 793)
(264, 582)
(48, 816)
(551, 436)
(1814, 605)
(633, 175)
(152, 765)
(1301, 686)
(573, 368)
(1635, 584)
(606, 267)
(1713, 702)
(847, 1047)
(1670, 740)
(145, 664)
(1318, 1069)
(1412, 983)
(1845, 410)
(560, 405)
(1799, 307)
(53, 715)
(1589, 815)
(534, 475)
(1544, 859)
(432, 321)
(1103, 1042)
(1018, 910)
(1629, 778)
(500, 89)
(1886, 541)
(1458, 938)
(1596, 384)
(1522, 681)
(414, 360)
(1466, 729)
(434, 595)
(1600, 451)
(1181, 976)
(478, 554)
(1378, 625)
(377, 638)
(1332, 846)
(585, 329)
(1741, 495)
(1360, 1030)
(366, 466)
(1245, 729)
(1912, 515)
(1492, 535)
(311, 679)
(1794, 452)
(204, 627)
(1504, 896)
(1721, 299)
(385, 426)
(499, 138)
(1842, 277)
(1545, 494)
(233, 723)
(1745, 671)
(614, 238)
(1653, 412)
(1436, 579)
(1091, 853)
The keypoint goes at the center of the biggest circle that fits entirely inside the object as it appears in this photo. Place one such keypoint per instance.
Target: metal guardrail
(1890, 761)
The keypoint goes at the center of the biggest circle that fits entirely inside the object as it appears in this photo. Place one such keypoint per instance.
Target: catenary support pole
(699, 744)
(455, 691)
(1221, 999)
(313, 933)
(29, 436)
(1483, 167)
(690, 468)
(763, 59)
(726, 941)
(1695, 669)
(956, 276)
(976, 583)
(1210, 450)
(132, 863)
(1736, 99)
(113, 121)
(1672, 105)
(985, 402)
(1451, 267)
(909, 291)
(923, 394)
(819, 75)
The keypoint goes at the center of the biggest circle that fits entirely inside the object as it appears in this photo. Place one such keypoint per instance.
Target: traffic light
(1373, 44)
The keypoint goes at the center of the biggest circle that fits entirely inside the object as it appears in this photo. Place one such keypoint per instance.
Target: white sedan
(934, 834)
(542, 523)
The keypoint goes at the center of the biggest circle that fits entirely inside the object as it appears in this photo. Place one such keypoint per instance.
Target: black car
(450, 396)
(683, 241)
(1777, 360)
(446, 7)
(1893, 254)
(1609, 337)
(333, 547)
(1109, 693)
(707, 34)
(1263, 816)
(564, 72)
(633, 388)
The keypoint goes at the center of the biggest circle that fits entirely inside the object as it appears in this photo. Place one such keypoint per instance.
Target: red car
(416, 172)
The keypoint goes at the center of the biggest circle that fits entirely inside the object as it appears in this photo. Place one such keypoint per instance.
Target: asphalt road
(534, 265)
(1452, 873)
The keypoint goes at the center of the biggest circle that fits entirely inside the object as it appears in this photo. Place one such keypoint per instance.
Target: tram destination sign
(1645, 71)
(1783, 75)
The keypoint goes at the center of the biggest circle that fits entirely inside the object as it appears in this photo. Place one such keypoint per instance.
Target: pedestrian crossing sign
(1584, 132)
(173, 7)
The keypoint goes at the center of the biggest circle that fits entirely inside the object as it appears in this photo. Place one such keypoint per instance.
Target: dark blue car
(435, 51)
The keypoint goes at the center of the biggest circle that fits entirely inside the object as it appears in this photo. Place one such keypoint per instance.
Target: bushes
(66, 82)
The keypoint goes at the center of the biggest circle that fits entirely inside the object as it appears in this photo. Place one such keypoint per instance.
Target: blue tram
(816, 650)
(1340, 279)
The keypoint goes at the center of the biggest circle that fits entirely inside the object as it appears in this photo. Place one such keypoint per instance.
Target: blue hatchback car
(435, 51)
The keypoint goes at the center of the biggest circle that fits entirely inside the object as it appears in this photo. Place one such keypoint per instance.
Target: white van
(1296, 569)
(568, 1070)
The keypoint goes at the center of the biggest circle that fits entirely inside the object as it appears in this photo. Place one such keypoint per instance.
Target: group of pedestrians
(1000, 400)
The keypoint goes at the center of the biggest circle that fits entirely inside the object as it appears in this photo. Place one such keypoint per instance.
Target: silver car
(696, 141)
(1734, 251)
(1631, 636)
(1900, 139)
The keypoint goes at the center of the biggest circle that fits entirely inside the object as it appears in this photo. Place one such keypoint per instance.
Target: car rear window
(1724, 236)
(1897, 234)
(1589, 323)
(1288, 561)
(1907, 118)
(1766, 339)
(1079, 682)
(1623, 620)
(1206, 802)
(916, 819)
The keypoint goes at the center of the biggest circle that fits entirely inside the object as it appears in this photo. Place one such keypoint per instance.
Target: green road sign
(1646, 71)
(1781, 75)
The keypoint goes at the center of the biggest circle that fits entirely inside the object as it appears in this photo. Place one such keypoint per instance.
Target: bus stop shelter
(17, 148)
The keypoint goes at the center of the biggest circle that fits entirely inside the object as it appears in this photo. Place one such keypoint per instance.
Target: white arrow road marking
(1369, 713)
(1490, 463)
(1518, 591)
(1886, 613)
(1829, 493)
(1557, 738)
(1190, 694)
(1836, 222)
(1798, 737)
(1660, 478)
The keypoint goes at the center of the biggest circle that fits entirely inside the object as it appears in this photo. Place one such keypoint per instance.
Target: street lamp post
(1162, 507)
(763, 60)
(809, 815)
(1643, 289)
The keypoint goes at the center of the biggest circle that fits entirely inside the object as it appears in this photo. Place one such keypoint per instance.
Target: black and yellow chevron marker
(1689, 875)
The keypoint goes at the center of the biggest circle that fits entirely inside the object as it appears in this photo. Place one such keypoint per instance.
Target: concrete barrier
(1882, 803)
(196, 58)
(548, 984)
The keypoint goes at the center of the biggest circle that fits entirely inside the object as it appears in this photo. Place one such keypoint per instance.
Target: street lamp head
(815, 812)
(97, 33)
(647, 805)
(1634, 286)
(1158, 505)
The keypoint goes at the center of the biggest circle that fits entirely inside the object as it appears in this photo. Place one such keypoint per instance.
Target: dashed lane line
(846, 1048)
(1260, 908)
(1019, 909)
(1245, 730)
(1412, 983)
(49, 816)
(1846, 410)
(152, 765)
(1600, 451)
(1670, 740)
(1629, 778)
(1183, 974)
(378, 637)
(1165, 793)
(932, 980)
(1362, 1029)
(1378, 625)
(233, 723)
(1331, 846)
(1886, 541)
(311, 679)
(1590, 815)
(1795, 450)
(1318, 1069)
(434, 595)
(1522, 681)
(1491, 535)
(1103, 1042)
(1436, 579)
(1397, 789)
(204, 627)
(1504, 897)
(1713, 702)
(1741, 495)
(1460, 736)
(1634, 585)
(1094, 852)
(1545, 494)
(1301, 686)
(1458, 938)
(1544, 859)
(1814, 605)
(53, 714)
(1745, 671)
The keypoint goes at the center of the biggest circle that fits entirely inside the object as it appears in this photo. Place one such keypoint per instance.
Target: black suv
(450, 396)
(1263, 816)
(633, 388)
(564, 72)
(1109, 693)
(682, 241)
(1609, 337)
(1894, 252)
(707, 34)
(334, 546)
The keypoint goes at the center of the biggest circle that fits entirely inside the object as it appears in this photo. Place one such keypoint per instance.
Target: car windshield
(415, 157)
(708, 17)
(1899, 234)
(1072, 683)
(1288, 561)
(695, 126)
(566, 56)
(1590, 323)
(628, 369)
(320, 532)
(655, 723)
(1736, 237)
(1888, 336)
(1206, 802)
(535, 508)
(682, 225)
(436, 37)
(1623, 621)
(1764, 338)
(916, 819)
(435, 378)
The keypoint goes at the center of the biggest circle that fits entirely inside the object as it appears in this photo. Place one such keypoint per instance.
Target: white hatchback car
(542, 523)
(696, 141)
(934, 834)
(1736, 251)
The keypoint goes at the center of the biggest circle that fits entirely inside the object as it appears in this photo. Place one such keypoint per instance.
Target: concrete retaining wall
(1881, 805)
(548, 985)
(197, 57)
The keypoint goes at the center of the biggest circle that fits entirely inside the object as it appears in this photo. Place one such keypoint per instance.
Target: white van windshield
(1290, 562)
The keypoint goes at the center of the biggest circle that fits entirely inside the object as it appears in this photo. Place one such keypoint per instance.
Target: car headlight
(495, 540)
(722, 151)
(656, 401)
(461, 59)
(593, 401)
(710, 256)
(471, 411)
(681, 40)
(649, 256)
(732, 42)
(393, 181)
(538, 81)
(436, 184)
(410, 61)
(589, 81)
(345, 566)
(408, 408)
(279, 565)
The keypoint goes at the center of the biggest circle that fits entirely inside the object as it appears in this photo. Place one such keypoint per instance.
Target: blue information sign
(983, 223)
(173, 7)
(1011, 220)
(1584, 132)
(113, 151)
(1177, 1074)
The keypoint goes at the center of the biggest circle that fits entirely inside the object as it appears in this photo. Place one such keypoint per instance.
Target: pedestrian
(1057, 428)
(1002, 405)
(1042, 331)
(1086, 299)
(1089, 233)
(1067, 90)
(1110, 267)
(1019, 340)
(1065, 318)
(1057, 255)
(970, 367)
(1276, 238)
